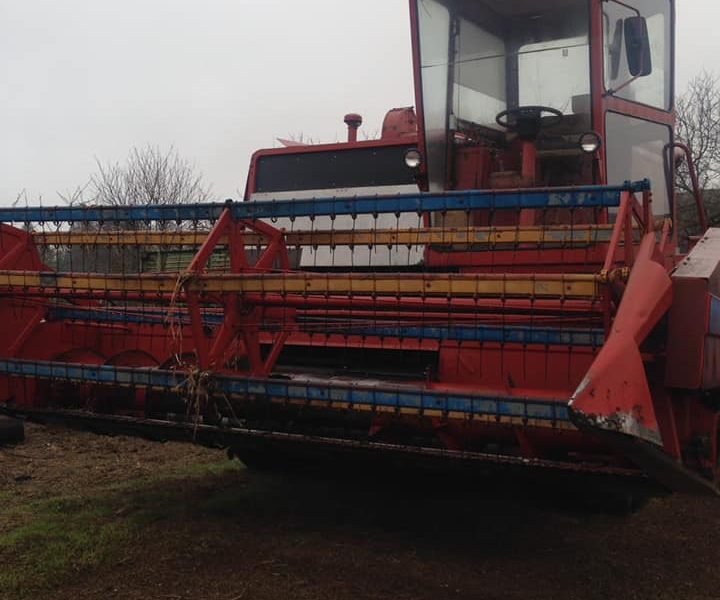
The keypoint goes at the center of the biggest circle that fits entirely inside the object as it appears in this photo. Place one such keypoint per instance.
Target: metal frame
(573, 197)
(542, 339)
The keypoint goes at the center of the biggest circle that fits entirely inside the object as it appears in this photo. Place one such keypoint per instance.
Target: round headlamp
(590, 142)
(413, 158)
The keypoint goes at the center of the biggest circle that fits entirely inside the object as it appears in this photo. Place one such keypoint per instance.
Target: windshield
(479, 58)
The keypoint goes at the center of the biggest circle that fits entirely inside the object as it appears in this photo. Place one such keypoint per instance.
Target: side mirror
(637, 44)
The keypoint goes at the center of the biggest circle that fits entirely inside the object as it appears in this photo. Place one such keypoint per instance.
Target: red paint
(646, 382)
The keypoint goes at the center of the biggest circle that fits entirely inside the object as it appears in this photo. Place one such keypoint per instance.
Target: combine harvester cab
(498, 279)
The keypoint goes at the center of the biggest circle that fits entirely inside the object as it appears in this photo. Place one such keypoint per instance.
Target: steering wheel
(527, 121)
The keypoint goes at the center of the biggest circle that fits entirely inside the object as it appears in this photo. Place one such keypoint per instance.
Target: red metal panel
(693, 349)
(687, 326)
(419, 101)
(553, 371)
(711, 363)
(615, 394)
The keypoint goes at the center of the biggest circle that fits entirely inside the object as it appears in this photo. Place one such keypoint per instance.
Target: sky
(86, 80)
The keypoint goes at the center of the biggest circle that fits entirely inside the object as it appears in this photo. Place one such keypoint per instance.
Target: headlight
(413, 159)
(590, 142)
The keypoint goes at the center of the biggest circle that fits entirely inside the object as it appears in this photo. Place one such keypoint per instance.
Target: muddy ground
(83, 516)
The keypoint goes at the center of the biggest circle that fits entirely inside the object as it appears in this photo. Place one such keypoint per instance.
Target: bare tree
(75, 196)
(149, 176)
(698, 111)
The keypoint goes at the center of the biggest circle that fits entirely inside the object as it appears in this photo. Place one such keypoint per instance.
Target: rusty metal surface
(225, 436)
(615, 394)
(703, 262)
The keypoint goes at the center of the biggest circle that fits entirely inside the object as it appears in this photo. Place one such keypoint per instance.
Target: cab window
(655, 88)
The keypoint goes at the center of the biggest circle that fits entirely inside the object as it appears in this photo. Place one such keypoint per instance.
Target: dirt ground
(177, 522)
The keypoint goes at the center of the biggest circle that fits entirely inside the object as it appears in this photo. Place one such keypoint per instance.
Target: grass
(59, 540)
(52, 541)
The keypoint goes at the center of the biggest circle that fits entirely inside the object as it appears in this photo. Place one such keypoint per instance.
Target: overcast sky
(216, 78)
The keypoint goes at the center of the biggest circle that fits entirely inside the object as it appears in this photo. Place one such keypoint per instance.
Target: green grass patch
(189, 471)
(59, 539)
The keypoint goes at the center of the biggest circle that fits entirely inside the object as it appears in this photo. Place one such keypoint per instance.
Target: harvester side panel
(422, 358)
(693, 345)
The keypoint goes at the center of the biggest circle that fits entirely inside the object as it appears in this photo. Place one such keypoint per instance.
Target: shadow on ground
(261, 535)
(222, 532)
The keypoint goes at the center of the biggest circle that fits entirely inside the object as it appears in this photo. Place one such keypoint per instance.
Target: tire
(12, 431)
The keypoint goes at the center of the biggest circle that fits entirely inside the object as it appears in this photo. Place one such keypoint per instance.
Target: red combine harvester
(498, 279)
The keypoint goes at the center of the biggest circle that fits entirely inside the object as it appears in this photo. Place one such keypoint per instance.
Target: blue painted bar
(502, 335)
(137, 318)
(414, 398)
(100, 316)
(428, 203)
(577, 197)
(547, 336)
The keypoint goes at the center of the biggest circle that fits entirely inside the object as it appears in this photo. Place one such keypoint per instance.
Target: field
(84, 516)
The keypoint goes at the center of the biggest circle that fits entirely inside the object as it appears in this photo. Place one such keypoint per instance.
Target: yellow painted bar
(560, 235)
(120, 238)
(343, 284)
